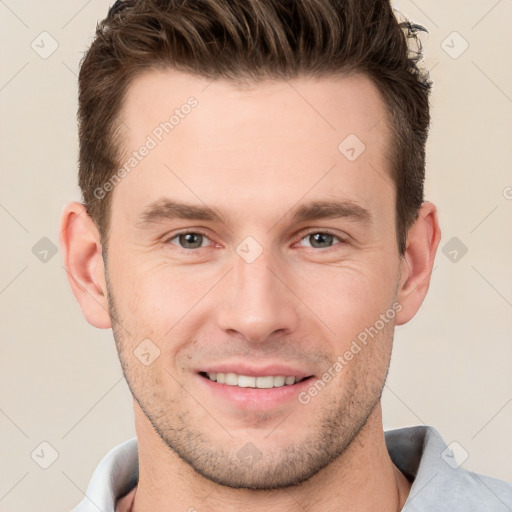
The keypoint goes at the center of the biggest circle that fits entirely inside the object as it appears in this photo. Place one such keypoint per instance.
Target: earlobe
(83, 262)
(417, 262)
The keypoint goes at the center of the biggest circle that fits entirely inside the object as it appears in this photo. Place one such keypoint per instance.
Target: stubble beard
(340, 422)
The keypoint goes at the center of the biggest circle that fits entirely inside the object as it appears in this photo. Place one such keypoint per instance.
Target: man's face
(273, 287)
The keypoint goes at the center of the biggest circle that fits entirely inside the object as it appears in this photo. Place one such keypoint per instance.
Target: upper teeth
(246, 381)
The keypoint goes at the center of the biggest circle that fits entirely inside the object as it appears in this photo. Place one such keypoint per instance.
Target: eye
(321, 240)
(195, 240)
(189, 240)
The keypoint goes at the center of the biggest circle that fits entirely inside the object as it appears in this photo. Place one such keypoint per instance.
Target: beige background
(60, 380)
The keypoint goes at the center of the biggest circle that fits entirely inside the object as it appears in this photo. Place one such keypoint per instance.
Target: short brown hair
(249, 40)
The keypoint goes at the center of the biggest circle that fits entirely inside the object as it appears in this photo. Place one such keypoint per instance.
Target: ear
(83, 262)
(417, 262)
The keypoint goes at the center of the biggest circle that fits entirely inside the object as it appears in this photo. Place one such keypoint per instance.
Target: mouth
(253, 381)
(254, 390)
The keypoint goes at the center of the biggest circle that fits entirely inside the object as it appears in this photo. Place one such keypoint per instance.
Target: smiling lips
(251, 381)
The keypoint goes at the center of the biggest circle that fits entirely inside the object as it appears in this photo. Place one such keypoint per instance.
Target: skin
(255, 153)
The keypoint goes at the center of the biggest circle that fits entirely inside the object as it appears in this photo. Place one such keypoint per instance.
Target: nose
(259, 301)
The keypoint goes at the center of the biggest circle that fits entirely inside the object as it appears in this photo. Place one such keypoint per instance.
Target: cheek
(155, 300)
(348, 298)
(143, 280)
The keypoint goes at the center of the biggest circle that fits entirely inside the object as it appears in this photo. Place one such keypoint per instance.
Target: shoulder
(440, 482)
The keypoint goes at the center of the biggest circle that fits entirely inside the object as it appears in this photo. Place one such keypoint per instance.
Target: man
(253, 229)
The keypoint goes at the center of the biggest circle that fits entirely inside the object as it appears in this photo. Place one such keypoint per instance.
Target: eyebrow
(316, 210)
(168, 209)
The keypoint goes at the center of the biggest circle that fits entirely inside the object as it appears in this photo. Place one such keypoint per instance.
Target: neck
(363, 478)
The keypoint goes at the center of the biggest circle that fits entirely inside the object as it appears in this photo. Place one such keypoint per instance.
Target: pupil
(191, 240)
(321, 239)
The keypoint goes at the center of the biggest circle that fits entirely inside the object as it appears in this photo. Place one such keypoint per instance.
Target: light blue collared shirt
(439, 484)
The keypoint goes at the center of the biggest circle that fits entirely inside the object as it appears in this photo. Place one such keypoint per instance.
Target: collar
(438, 482)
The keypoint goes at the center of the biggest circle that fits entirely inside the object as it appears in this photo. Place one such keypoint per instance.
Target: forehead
(332, 103)
(287, 138)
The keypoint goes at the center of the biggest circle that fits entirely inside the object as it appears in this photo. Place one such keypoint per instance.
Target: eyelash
(312, 232)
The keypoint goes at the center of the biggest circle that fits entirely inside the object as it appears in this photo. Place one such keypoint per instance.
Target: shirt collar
(438, 482)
